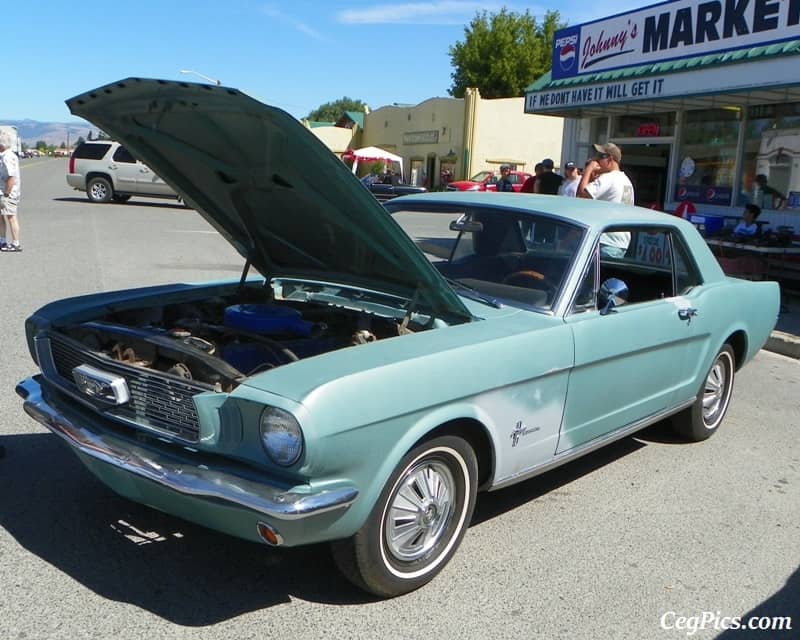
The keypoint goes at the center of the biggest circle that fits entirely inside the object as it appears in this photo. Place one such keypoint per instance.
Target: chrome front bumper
(219, 484)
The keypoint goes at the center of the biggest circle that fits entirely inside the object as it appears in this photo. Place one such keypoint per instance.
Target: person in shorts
(9, 195)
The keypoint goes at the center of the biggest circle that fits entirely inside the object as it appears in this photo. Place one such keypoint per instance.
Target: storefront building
(444, 139)
(703, 97)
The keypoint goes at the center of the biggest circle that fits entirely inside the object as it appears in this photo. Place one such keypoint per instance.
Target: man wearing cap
(603, 179)
(569, 187)
(549, 182)
(505, 184)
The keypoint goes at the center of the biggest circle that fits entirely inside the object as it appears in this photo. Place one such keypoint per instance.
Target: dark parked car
(388, 187)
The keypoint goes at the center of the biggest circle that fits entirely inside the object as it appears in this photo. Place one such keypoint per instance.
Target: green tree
(41, 145)
(332, 111)
(79, 141)
(502, 53)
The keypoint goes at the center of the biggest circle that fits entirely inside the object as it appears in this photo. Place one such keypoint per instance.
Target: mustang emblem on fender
(521, 430)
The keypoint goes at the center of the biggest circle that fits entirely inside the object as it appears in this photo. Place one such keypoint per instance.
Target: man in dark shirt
(505, 184)
(549, 182)
(529, 186)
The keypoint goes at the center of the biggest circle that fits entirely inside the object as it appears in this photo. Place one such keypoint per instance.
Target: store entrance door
(647, 166)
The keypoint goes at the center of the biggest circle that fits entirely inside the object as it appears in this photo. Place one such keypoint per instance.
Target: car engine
(222, 341)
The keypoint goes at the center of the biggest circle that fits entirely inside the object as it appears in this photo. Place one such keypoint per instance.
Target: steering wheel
(529, 279)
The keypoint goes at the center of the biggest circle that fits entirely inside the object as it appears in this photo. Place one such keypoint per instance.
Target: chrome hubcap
(714, 392)
(420, 510)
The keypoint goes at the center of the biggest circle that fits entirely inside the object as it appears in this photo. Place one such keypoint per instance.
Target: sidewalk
(785, 339)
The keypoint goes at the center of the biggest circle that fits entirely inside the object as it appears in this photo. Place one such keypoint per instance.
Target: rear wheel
(99, 189)
(701, 420)
(418, 522)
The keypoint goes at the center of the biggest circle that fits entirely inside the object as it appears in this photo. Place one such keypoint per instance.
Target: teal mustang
(375, 367)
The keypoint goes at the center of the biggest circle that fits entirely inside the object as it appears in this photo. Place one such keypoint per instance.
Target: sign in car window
(652, 248)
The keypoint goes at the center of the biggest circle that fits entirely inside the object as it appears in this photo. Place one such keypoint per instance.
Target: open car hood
(268, 185)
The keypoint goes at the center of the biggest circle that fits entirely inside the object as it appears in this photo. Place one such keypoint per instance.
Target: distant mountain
(53, 133)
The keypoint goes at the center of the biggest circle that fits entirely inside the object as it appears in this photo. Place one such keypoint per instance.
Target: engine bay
(222, 340)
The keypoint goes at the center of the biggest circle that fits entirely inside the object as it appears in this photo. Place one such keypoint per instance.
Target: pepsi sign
(565, 53)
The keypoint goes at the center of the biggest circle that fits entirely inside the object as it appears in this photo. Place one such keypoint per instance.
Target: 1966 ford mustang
(372, 370)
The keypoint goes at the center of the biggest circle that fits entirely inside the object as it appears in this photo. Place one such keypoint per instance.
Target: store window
(650, 125)
(599, 130)
(770, 169)
(707, 157)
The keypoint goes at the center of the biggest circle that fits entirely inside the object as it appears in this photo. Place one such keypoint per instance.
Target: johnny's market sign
(760, 73)
(672, 30)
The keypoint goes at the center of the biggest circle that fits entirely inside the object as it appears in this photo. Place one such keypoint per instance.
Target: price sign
(653, 248)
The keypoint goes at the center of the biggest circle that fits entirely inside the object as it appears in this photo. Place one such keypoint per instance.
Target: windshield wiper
(474, 294)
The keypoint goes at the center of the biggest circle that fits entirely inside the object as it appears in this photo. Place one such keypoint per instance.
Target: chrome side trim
(182, 477)
(567, 456)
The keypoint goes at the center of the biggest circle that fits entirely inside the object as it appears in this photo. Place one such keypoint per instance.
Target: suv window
(123, 155)
(91, 151)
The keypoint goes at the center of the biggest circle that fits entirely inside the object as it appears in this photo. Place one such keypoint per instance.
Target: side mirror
(464, 224)
(613, 293)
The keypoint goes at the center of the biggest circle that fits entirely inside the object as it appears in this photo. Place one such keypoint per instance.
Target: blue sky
(296, 55)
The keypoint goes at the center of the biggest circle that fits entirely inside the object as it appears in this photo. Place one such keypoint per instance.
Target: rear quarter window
(123, 155)
(91, 151)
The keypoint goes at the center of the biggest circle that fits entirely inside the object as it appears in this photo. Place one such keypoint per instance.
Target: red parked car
(487, 181)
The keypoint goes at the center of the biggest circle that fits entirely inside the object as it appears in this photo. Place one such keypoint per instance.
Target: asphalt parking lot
(624, 543)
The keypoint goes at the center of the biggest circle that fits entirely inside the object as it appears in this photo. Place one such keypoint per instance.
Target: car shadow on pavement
(192, 576)
(161, 204)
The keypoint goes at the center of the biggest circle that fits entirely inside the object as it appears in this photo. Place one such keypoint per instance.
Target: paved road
(602, 548)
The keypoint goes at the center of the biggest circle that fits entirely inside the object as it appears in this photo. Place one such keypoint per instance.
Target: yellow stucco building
(459, 135)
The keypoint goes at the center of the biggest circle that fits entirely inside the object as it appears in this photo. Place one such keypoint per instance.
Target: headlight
(281, 436)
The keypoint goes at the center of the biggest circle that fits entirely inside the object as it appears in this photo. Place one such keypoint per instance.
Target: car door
(125, 170)
(630, 363)
(136, 177)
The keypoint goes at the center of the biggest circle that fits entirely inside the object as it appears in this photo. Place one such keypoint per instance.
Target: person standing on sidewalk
(572, 179)
(549, 182)
(603, 179)
(9, 194)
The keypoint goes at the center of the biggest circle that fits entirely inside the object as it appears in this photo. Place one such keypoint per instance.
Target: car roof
(591, 213)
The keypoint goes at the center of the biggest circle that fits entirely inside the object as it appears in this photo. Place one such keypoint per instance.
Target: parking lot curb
(785, 344)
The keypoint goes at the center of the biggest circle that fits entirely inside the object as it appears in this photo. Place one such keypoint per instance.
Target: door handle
(687, 314)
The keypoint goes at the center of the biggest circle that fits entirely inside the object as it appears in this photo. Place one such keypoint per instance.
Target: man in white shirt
(604, 180)
(9, 194)
(569, 187)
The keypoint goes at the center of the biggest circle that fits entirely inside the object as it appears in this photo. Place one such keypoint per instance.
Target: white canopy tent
(372, 154)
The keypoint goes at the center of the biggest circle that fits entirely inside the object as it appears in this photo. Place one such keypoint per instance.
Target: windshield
(480, 177)
(517, 258)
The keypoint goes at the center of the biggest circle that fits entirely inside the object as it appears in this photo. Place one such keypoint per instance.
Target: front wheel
(99, 189)
(418, 522)
(700, 421)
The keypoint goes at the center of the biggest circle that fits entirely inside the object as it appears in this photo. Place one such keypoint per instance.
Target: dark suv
(107, 171)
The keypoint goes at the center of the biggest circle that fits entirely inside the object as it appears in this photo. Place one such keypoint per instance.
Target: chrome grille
(159, 402)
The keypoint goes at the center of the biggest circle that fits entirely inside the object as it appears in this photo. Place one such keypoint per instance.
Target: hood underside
(268, 185)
